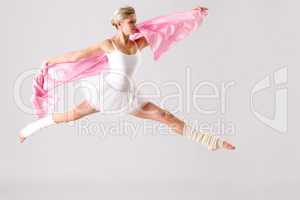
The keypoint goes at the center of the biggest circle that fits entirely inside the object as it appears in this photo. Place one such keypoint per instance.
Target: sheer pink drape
(161, 33)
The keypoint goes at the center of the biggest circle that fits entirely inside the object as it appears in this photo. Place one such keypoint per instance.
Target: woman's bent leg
(81, 110)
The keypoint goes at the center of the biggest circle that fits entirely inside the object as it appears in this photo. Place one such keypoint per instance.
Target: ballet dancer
(124, 56)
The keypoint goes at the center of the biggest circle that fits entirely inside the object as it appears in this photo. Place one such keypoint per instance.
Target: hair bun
(121, 13)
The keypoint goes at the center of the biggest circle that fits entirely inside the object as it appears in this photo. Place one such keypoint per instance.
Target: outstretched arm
(74, 56)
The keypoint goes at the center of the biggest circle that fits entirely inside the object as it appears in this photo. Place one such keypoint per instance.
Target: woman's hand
(47, 62)
(200, 8)
(66, 57)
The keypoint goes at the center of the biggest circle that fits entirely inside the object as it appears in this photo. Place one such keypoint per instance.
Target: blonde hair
(121, 13)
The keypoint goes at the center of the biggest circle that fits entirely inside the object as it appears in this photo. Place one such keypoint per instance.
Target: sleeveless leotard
(116, 92)
(122, 68)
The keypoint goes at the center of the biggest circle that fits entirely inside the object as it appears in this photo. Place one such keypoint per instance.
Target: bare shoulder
(106, 45)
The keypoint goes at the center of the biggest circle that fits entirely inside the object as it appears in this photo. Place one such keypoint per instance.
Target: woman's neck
(122, 38)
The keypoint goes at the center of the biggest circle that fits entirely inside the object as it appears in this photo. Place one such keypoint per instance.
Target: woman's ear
(119, 24)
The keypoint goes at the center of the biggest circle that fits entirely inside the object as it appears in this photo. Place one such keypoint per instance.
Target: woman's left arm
(74, 56)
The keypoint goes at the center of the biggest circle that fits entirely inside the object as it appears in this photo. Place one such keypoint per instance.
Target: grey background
(243, 41)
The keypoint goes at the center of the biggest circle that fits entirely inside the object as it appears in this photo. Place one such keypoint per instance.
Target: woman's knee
(167, 116)
(76, 114)
(81, 110)
(152, 111)
(162, 115)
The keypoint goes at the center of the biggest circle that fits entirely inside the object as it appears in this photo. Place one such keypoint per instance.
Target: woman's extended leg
(79, 111)
(154, 112)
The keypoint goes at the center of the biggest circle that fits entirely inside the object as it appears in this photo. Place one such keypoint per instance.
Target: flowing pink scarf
(161, 33)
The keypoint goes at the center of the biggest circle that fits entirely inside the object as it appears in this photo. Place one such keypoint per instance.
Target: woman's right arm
(74, 56)
(142, 43)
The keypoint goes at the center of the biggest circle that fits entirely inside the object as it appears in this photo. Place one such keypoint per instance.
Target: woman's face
(128, 25)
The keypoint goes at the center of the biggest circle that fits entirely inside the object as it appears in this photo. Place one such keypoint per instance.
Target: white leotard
(122, 67)
(117, 92)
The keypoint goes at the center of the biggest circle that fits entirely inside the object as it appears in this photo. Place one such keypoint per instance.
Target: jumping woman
(123, 56)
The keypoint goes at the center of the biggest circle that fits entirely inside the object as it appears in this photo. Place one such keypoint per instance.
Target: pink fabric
(161, 33)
